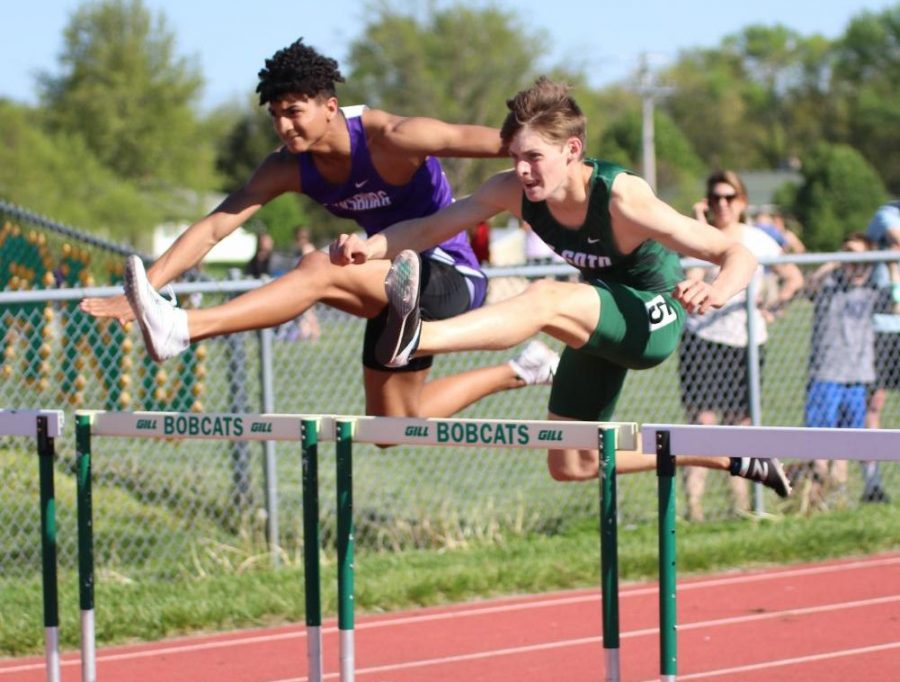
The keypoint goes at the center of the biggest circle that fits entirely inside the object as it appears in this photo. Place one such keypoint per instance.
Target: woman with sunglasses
(713, 351)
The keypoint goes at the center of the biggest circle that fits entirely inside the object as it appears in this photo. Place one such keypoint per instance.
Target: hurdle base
(88, 647)
(613, 666)
(51, 647)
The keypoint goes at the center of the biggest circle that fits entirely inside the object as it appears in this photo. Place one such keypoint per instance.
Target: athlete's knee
(569, 465)
(543, 296)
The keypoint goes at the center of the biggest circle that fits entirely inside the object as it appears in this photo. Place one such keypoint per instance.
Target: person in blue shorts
(842, 352)
(627, 313)
(369, 166)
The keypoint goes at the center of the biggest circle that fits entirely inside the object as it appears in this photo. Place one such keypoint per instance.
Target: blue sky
(230, 40)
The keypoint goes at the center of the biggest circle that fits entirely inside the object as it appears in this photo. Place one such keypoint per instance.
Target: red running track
(828, 622)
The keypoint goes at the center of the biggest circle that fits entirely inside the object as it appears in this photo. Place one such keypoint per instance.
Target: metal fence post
(753, 375)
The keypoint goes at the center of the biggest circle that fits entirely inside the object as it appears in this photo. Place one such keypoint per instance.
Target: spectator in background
(770, 220)
(842, 357)
(261, 263)
(306, 326)
(302, 243)
(713, 352)
(883, 231)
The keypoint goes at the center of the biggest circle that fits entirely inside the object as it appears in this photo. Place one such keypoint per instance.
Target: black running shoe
(400, 337)
(769, 472)
(876, 494)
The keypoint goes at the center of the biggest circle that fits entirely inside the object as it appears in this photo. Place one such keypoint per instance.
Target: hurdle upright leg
(609, 559)
(344, 447)
(668, 637)
(85, 546)
(46, 457)
(309, 436)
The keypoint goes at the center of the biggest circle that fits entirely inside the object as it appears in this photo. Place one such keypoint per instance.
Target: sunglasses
(716, 198)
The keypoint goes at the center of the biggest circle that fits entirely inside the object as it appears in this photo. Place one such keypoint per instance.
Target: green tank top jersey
(591, 248)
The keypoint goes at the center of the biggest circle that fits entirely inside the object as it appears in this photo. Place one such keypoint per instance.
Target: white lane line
(862, 651)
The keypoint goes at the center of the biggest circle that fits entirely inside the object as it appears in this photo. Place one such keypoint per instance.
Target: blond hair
(547, 108)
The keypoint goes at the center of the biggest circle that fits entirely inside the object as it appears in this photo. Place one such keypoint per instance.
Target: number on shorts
(659, 313)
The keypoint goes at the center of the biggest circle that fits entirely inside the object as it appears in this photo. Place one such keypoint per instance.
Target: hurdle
(667, 441)
(45, 426)
(306, 429)
(605, 437)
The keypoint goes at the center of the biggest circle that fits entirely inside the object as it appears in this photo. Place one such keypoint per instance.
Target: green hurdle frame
(44, 426)
(605, 437)
(308, 430)
(667, 441)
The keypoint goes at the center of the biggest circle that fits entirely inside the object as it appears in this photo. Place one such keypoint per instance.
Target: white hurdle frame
(27, 423)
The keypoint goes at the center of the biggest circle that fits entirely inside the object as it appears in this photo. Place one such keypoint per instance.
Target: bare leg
(407, 394)
(567, 311)
(357, 289)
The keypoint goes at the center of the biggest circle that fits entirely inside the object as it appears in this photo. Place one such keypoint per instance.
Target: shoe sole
(131, 288)
(402, 301)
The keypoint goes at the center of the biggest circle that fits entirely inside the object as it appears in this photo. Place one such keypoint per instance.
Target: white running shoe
(536, 364)
(164, 327)
(400, 337)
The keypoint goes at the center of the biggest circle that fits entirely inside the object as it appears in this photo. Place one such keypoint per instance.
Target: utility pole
(649, 90)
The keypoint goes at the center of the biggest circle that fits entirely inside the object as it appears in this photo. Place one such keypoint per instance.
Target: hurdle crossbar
(24, 422)
(204, 426)
(496, 433)
(45, 426)
(781, 442)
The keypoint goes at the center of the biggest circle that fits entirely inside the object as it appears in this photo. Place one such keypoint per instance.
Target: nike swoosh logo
(360, 184)
(593, 241)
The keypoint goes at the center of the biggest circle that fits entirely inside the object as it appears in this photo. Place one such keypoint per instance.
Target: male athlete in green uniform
(627, 314)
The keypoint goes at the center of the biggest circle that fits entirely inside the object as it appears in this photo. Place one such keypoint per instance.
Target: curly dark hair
(298, 68)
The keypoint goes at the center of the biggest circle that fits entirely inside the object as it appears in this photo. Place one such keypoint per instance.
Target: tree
(125, 92)
(839, 193)
(459, 64)
(679, 169)
(867, 85)
(56, 174)
(249, 137)
(757, 100)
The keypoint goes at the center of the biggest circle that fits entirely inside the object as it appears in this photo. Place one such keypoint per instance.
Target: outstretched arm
(639, 215)
(499, 193)
(271, 179)
(420, 135)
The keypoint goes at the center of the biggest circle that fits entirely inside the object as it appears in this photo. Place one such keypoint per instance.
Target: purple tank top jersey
(375, 205)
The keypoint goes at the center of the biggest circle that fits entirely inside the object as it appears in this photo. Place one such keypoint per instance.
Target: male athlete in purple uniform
(367, 165)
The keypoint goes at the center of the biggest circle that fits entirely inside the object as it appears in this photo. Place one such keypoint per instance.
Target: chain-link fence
(198, 507)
